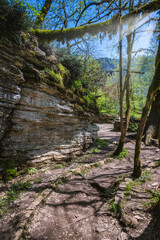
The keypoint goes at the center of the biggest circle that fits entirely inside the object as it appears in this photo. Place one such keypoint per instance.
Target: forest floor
(93, 197)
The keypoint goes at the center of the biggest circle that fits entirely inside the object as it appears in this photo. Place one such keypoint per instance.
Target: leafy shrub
(32, 171)
(101, 143)
(13, 20)
(55, 76)
(133, 127)
(10, 173)
(73, 63)
(114, 207)
(123, 154)
(58, 166)
(128, 189)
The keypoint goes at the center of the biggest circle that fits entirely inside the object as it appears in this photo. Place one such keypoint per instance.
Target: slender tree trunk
(127, 87)
(151, 92)
(121, 140)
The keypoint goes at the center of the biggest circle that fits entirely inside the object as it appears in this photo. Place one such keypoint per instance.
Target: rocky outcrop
(39, 121)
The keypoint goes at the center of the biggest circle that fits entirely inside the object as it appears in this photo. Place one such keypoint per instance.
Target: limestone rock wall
(36, 125)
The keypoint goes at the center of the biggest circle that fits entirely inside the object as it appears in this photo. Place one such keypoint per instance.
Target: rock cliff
(40, 121)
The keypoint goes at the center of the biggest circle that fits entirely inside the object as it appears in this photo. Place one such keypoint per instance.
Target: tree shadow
(152, 231)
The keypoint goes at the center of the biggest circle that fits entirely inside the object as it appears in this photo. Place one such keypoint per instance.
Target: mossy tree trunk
(43, 12)
(153, 122)
(155, 85)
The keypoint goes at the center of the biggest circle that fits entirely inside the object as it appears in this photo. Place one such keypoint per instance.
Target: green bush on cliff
(73, 63)
(55, 76)
(13, 20)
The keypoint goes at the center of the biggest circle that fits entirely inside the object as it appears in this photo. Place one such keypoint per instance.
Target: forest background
(96, 58)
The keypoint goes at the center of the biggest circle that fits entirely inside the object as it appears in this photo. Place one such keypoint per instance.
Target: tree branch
(94, 29)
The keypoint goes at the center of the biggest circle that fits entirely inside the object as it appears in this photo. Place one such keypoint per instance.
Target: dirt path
(92, 198)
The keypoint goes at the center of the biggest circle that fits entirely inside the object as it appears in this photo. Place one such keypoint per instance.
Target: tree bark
(43, 12)
(155, 85)
(121, 140)
(153, 122)
(124, 127)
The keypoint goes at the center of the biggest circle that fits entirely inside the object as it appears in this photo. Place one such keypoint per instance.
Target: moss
(77, 32)
(78, 108)
(81, 101)
(55, 76)
(93, 29)
(63, 70)
(10, 173)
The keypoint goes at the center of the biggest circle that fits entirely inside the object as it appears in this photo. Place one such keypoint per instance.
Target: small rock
(155, 184)
(87, 165)
(138, 217)
(122, 236)
(122, 186)
(128, 221)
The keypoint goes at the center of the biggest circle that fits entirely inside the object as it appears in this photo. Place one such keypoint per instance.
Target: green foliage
(146, 176)
(114, 207)
(37, 180)
(62, 181)
(10, 173)
(83, 171)
(95, 150)
(109, 100)
(154, 200)
(12, 194)
(101, 143)
(13, 19)
(128, 189)
(3, 207)
(123, 154)
(157, 163)
(55, 76)
(32, 171)
(58, 166)
(72, 62)
(63, 70)
(133, 127)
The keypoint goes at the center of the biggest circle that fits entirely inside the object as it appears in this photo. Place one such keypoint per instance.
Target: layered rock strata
(39, 122)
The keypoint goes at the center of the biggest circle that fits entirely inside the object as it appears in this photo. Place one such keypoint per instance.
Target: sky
(109, 48)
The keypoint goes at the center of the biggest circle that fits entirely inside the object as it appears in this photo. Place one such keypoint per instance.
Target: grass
(154, 200)
(12, 194)
(123, 154)
(101, 143)
(58, 166)
(32, 171)
(10, 173)
(128, 189)
(146, 176)
(61, 181)
(37, 180)
(157, 163)
(95, 150)
(114, 207)
(83, 171)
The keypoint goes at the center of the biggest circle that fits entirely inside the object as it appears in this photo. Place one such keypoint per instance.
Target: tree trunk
(122, 139)
(153, 122)
(124, 128)
(43, 12)
(155, 85)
